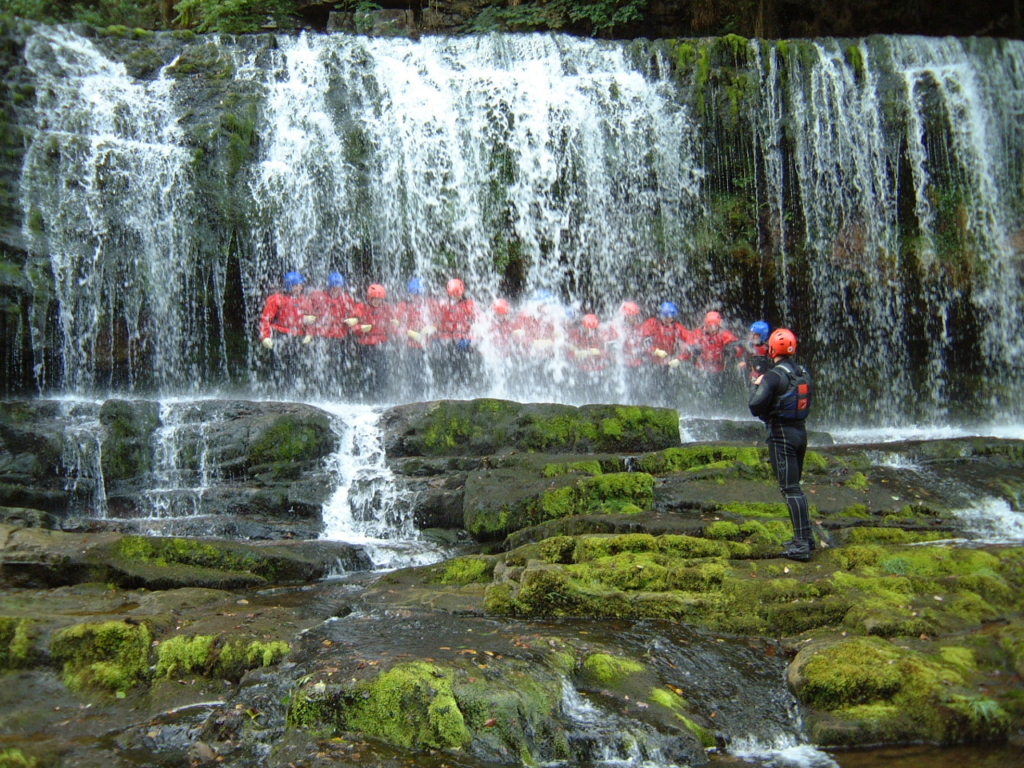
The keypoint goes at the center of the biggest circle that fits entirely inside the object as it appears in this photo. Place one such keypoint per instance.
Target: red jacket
(634, 351)
(584, 341)
(415, 315)
(283, 313)
(331, 312)
(712, 348)
(455, 320)
(377, 317)
(665, 337)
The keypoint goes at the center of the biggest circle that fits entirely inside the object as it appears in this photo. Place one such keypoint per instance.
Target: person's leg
(786, 449)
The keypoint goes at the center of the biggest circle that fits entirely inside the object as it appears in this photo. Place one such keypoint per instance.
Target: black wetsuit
(787, 444)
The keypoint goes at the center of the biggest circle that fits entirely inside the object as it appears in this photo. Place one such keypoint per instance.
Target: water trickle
(367, 507)
(181, 472)
(82, 459)
(992, 521)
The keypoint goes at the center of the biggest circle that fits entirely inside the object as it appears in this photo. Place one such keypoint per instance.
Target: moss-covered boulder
(498, 502)
(111, 656)
(868, 690)
(486, 426)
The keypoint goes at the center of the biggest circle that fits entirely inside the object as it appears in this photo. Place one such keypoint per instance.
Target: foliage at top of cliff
(603, 18)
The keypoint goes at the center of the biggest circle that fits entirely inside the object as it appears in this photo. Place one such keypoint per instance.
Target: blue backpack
(795, 403)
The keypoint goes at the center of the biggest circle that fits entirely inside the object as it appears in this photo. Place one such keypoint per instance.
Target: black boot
(797, 549)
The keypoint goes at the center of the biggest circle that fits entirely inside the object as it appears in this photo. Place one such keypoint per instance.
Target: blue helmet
(415, 287)
(336, 280)
(761, 328)
(668, 309)
(291, 279)
(543, 295)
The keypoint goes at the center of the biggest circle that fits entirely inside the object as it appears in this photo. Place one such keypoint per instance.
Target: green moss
(410, 705)
(15, 642)
(815, 463)
(606, 670)
(594, 547)
(613, 493)
(291, 439)
(194, 552)
(870, 535)
(668, 699)
(15, 758)
(113, 655)
(757, 509)
(702, 457)
(565, 468)
(705, 735)
(858, 481)
(466, 570)
(858, 671)
(183, 655)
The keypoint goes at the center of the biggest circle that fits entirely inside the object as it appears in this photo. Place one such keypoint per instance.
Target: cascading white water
(367, 506)
(181, 473)
(107, 192)
(883, 173)
(82, 458)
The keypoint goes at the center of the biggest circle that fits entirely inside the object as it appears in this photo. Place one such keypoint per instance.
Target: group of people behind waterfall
(376, 349)
(444, 346)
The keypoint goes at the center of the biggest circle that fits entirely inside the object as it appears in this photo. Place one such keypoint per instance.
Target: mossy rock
(112, 656)
(744, 460)
(291, 439)
(16, 648)
(485, 426)
(169, 563)
(867, 690)
(215, 657)
(127, 447)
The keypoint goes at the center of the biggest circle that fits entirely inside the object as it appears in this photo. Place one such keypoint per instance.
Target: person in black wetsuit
(782, 400)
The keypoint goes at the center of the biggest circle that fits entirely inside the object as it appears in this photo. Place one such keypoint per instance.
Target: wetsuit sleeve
(763, 397)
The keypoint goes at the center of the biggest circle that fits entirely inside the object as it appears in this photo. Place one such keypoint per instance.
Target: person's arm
(763, 396)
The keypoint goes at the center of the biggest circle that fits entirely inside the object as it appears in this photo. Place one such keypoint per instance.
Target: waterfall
(367, 508)
(864, 192)
(181, 473)
(82, 459)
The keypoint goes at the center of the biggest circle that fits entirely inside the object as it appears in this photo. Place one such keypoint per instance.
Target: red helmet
(590, 321)
(376, 291)
(500, 307)
(630, 309)
(712, 318)
(781, 342)
(456, 288)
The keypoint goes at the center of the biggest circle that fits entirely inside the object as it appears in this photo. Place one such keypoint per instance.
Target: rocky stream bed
(605, 592)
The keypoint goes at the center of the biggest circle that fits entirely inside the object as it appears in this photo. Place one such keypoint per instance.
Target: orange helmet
(376, 291)
(456, 288)
(781, 342)
(500, 307)
(630, 309)
(712, 318)
(590, 321)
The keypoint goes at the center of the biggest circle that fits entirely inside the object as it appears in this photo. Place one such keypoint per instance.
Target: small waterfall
(993, 521)
(82, 459)
(181, 474)
(367, 506)
(601, 738)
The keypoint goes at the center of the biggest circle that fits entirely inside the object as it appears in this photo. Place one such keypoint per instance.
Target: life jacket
(795, 402)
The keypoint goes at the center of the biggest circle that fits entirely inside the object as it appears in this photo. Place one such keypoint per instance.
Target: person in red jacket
(288, 313)
(753, 355)
(667, 338)
(501, 331)
(455, 320)
(371, 328)
(590, 349)
(632, 353)
(712, 343)
(332, 308)
(416, 317)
